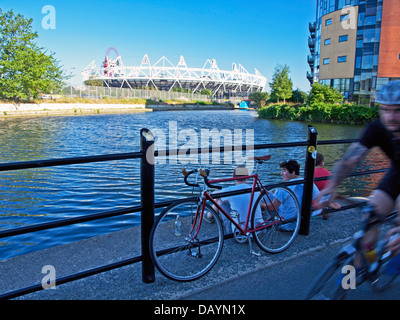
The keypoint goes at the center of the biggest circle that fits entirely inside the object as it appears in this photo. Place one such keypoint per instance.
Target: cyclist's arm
(345, 165)
(340, 171)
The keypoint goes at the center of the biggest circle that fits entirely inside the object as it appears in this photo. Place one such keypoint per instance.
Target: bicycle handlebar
(186, 175)
(204, 174)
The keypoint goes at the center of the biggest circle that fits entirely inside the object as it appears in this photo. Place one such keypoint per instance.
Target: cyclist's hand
(324, 199)
(394, 244)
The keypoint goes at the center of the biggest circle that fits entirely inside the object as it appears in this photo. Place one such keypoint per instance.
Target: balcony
(311, 43)
(310, 77)
(312, 27)
(311, 61)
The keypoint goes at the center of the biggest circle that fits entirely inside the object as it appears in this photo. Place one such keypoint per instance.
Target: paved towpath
(237, 274)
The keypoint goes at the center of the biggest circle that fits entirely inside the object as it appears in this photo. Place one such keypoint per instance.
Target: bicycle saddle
(261, 158)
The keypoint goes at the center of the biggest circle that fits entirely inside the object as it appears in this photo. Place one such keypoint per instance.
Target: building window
(361, 17)
(376, 59)
(326, 61)
(369, 21)
(327, 41)
(343, 38)
(344, 17)
(371, 11)
(369, 35)
(367, 62)
(342, 59)
(358, 63)
(328, 22)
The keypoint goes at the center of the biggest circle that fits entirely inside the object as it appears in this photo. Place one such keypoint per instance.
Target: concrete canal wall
(44, 109)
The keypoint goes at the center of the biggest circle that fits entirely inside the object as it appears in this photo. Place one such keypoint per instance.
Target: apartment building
(355, 46)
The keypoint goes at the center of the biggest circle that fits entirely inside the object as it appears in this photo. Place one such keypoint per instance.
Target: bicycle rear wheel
(276, 228)
(174, 250)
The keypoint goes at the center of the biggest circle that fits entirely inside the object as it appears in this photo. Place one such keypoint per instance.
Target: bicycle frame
(206, 196)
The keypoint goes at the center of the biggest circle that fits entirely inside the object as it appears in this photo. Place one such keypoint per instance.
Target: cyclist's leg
(394, 245)
(382, 203)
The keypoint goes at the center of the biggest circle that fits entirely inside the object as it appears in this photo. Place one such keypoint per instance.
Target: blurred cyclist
(384, 133)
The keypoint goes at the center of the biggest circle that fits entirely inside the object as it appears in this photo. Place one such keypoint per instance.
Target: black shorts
(391, 182)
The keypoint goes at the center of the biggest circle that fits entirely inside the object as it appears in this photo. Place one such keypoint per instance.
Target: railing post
(309, 181)
(147, 201)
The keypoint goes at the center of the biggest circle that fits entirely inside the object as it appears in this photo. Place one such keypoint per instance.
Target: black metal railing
(148, 204)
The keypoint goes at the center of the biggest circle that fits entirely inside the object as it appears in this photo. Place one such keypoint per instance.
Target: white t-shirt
(240, 202)
(287, 209)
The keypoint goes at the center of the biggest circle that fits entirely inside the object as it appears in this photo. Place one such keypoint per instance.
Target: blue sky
(255, 33)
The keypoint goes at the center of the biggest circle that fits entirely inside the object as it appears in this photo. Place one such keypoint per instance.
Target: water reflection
(46, 194)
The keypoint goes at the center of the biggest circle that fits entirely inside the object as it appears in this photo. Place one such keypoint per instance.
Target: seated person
(290, 171)
(320, 171)
(239, 202)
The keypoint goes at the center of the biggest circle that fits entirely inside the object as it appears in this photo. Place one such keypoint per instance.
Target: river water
(47, 194)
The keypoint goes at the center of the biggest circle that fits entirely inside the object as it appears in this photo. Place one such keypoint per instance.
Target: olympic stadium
(164, 75)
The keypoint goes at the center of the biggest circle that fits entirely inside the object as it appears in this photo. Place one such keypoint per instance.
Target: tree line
(26, 70)
(282, 91)
(322, 104)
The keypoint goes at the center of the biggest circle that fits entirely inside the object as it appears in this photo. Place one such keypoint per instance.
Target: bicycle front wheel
(329, 283)
(276, 228)
(179, 248)
(387, 270)
(385, 276)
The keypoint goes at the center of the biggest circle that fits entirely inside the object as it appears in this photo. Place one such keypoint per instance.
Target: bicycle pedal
(256, 253)
(195, 255)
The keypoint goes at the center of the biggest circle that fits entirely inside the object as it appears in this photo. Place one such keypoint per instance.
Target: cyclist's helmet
(389, 94)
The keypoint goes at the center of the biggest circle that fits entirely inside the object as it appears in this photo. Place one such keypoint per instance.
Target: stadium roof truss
(163, 75)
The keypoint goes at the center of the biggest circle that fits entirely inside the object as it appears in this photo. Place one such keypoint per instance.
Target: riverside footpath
(237, 275)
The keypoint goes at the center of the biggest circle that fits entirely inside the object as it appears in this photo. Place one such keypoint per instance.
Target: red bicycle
(187, 238)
